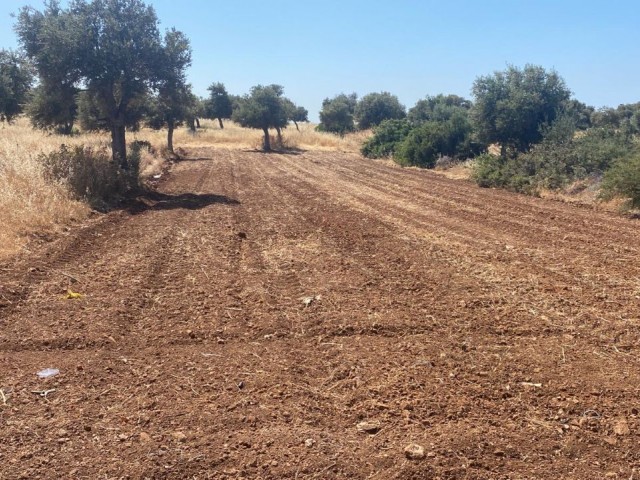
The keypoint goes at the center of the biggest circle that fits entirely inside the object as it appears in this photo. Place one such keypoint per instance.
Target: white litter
(48, 372)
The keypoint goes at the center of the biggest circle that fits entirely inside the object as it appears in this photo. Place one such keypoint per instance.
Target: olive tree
(15, 82)
(374, 108)
(262, 108)
(337, 114)
(174, 103)
(511, 106)
(110, 48)
(218, 105)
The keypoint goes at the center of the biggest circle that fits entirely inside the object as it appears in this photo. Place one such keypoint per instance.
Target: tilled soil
(246, 318)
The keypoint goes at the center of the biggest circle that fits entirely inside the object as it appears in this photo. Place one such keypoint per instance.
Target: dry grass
(235, 136)
(29, 204)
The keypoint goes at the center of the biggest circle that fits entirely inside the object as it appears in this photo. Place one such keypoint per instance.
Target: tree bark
(197, 122)
(220, 122)
(119, 146)
(267, 143)
(279, 130)
(170, 137)
(296, 124)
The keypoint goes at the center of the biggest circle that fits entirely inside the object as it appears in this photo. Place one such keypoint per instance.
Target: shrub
(623, 180)
(424, 144)
(386, 138)
(91, 175)
(562, 157)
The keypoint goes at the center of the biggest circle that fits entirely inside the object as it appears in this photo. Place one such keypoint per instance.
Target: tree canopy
(439, 108)
(337, 114)
(511, 106)
(110, 48)
(263, 108)
(174, 103)
(16, 78)
(374, 108)
(218, 105)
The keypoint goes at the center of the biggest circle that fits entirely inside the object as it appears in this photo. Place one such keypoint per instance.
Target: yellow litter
(71, 295)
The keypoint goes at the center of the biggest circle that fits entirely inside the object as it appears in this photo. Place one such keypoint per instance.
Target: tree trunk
(170, 137)
(220, 122)
(267, 143)
(119, 146)
(296, 124)
(279, 130)
(197, 122)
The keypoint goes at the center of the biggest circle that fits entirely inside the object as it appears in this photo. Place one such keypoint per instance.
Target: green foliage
(625, 117)
(300, 114)
(337, 114)
(16, 77)
(175, 103)
(111, 48)
(263, 108)
(218, 105)
(431, 140)
(91, 175)
(623, 180)
(386, 138)
(374, 108)
(53, 108)
(562, 157)
(437, 109)
(511, 106)
(295, 113)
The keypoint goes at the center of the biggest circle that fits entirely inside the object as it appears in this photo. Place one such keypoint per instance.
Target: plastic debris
(307, 301)
(71, 295)
(48, 372)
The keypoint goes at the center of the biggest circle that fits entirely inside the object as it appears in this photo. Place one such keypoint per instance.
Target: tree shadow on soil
(188, 201)
(289, 151)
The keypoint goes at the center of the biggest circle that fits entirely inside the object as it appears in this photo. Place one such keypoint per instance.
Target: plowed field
(244, 320)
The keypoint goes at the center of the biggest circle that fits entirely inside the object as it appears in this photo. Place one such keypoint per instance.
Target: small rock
(274, 463)
(309, 442)
(145, 437)
(621, 427)
(368, 427)
(414, 452)
(179, 436)
(122, 437)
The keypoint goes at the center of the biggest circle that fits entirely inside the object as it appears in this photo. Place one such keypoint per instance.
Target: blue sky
(316, 49)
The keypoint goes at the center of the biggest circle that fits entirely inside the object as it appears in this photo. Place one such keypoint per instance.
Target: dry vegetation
(31, 205)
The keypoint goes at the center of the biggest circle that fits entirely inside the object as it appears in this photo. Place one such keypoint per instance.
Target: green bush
(91, 175)
(623, 180)
(386, 138)
(560, 159)
(426, 143)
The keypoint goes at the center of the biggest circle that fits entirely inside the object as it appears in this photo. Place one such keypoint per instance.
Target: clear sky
(411, 48)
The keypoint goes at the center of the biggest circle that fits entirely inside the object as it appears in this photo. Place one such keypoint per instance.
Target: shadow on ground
(188, 201)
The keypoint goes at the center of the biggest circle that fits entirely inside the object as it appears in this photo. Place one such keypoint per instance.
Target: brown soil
(241, 322)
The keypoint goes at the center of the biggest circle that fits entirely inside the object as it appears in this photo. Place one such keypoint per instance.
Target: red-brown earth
(241, 322)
